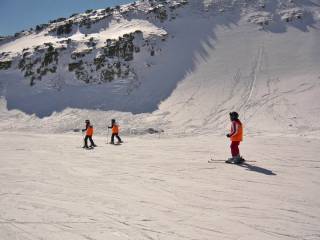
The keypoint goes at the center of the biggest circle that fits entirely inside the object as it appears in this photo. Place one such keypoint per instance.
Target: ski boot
(230, 160)
(235, 160)
(238, 160)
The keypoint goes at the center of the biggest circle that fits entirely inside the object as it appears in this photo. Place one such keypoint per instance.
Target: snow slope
(151, 188)
(271, 79)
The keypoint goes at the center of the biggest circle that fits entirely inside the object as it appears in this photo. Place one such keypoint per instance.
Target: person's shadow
(250, 167)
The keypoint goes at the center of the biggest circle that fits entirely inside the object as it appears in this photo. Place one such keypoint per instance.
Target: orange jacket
(236, 134)
(115, 128)
(89, 131)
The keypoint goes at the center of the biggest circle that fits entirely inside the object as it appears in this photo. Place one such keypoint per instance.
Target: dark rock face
(4, 65)
(96, 62)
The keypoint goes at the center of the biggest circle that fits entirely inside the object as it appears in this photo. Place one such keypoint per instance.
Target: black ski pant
(86, 141)
(115, 135)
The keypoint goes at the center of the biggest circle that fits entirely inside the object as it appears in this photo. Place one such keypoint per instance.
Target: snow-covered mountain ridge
(97, 46)
(183, 64)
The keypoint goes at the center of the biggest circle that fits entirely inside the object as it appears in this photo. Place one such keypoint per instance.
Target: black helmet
(234, 115)
(87, 121)
(113, 120)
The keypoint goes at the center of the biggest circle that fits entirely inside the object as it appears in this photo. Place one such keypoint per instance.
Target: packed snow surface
(228, 56)
(157, 188)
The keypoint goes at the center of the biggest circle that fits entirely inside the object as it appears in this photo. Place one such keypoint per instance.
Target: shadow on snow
(257, 169)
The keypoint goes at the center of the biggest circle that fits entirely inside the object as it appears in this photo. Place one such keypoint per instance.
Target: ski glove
(228, 135)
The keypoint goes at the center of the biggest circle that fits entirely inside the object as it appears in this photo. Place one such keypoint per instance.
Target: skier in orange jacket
(236, 136)
(115, 131)
(89, 133)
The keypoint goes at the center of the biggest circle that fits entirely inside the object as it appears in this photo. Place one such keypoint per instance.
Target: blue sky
(17, 15)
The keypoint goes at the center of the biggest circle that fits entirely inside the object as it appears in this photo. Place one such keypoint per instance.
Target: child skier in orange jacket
(236, 136)
(115, 131)
(89, 133)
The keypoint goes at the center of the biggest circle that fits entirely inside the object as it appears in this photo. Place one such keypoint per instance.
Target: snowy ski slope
(260, 58)
(151, 188)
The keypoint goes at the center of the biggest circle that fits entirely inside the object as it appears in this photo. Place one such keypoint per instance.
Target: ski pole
(107, 134)
(83, 138)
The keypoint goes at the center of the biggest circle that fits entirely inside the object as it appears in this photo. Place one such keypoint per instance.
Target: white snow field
(212, 62)
(157, 188)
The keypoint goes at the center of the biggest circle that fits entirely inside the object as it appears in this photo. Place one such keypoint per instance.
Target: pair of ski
(227, 161)
(89, 148)
(115, 144)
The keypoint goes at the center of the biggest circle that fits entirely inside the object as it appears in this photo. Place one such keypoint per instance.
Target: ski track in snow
(151, 188)
(253, 76)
